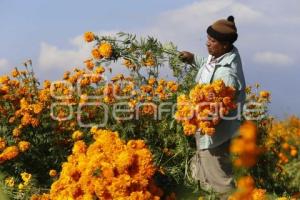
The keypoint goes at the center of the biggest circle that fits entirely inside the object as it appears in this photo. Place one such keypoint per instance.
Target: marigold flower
(4, 79)
(23, 146)
(2, 143)
(96, 54)
(10, 181)
(89, 64)
(15, 73)
(21, 186)
(26, 177)
(89, 36)
(100, 70)
(77, 135)
(16, 132)
(264, 94)
(259, 194)
(79, 147)
(52, 173)
(105, 50)
(189, 129)
(245, 187)
(293, 152)
(9, 153)
(245, 146)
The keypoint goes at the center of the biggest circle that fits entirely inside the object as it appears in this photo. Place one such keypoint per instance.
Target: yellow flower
(259, 194)
(100, 70)
(4, 89)
(26, 177)
(10, 181)
(151, 81)
(2, 143)
(37, 108)
(282, 198)
(94, 129)
(15, 73)
(245, 187)
(52, 173)
(77, 135)
(293, 152)
(96, 54)
(245, 146)
(105, 49)
(89, 64)
(189, 129)
(23, 146)
(248, 89)
(4, 79)
(9, 153)
(79, 147)
(264, 94)
(21, 186)
(89, 36)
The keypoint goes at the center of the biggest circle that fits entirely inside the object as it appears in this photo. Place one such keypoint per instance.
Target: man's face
(214, 47)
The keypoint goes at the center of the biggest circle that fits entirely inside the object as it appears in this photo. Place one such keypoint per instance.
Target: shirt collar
(226, 58)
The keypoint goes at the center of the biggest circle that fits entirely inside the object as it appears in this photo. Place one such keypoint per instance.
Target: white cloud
(52, 57)
(272, 58)
(245, 14)
(4, 64)
(186, 26)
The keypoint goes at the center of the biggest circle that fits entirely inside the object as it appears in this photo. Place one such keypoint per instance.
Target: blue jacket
(229, 69)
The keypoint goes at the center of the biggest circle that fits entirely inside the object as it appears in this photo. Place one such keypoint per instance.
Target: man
(211, 165)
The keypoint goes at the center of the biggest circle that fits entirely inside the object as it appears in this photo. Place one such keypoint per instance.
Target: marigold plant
(109, 168)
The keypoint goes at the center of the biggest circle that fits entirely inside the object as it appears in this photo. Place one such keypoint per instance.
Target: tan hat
(223, 30)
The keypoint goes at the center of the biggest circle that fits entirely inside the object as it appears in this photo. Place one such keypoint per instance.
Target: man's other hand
(186, 57)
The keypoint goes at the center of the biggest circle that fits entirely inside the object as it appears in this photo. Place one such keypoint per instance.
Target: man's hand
(186, 57)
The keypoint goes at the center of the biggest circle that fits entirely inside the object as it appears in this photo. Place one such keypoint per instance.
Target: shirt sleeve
(199, 61)
(229, 79)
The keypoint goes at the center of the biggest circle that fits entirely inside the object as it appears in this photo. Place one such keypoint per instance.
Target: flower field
(130, 136)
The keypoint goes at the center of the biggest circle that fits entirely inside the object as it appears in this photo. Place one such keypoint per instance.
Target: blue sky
(49, 32)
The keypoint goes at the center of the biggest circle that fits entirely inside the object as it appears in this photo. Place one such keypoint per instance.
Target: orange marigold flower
(151, 81)
(24, 146)
(189, 129)
(89, 36)
(100, 70)
(293, 152)
(259, 194)
(245, 146)
(89, 64)
(105, 49)
(79, 147)
(2, 143)
(16, 132)
(52, 173)
(9, 153)
(96, 54)
(264, 94)
(4, 79)
(77, 135)
(15, 73)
